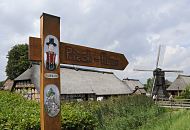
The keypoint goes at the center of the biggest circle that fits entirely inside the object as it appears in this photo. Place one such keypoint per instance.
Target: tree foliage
(186, 93)
(149, 84)
(2, 83)
(17, 61)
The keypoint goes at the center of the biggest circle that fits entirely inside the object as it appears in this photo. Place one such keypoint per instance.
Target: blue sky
(134, 28)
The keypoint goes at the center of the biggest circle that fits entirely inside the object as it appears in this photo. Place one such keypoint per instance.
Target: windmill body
(159, 86)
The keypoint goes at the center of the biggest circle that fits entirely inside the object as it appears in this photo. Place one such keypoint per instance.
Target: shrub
(76, 116)
(18, 113)
(126, 112)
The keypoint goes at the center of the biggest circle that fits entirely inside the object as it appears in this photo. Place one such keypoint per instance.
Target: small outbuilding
(179, 85)
(135, 86)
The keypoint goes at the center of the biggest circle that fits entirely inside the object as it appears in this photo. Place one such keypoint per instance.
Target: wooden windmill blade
(143, 70)
(158, 57)
(174, 71)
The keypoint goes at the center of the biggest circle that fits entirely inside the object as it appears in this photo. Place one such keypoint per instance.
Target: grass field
(172, 120)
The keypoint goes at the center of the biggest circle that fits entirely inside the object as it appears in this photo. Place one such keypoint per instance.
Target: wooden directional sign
(50, 52)
(81, 55)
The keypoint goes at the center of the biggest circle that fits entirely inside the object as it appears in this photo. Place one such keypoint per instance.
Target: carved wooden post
(50, 73)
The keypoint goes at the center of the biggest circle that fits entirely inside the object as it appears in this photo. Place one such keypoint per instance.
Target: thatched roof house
(180, 84)
(80, 82)
(23, 84)
(135, 86)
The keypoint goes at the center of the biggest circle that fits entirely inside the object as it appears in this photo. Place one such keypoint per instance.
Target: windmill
(159, 86)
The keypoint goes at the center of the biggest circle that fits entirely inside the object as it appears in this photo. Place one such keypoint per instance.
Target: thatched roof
(181, 82)
(24, 76)
(82, 81)
(8, 85)
(134, 84)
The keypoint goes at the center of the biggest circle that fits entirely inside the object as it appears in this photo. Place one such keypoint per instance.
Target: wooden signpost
(50, 52)
(81, 55)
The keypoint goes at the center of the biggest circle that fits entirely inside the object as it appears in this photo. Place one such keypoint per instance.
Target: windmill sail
(176, 71)
(158, 57)
(142, 70)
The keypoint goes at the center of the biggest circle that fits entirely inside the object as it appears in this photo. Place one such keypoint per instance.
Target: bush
(76, 116)
(126, 112)
(18, 113)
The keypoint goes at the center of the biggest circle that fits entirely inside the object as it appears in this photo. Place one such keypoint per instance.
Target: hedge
(126, 112)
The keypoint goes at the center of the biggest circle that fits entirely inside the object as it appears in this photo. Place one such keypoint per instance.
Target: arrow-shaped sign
(80, 55)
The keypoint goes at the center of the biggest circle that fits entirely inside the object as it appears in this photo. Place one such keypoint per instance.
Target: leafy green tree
(149, 84)
(1, 84)
(186, 93)
(17, 61)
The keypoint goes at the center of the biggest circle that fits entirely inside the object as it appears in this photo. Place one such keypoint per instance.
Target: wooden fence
(174, 103)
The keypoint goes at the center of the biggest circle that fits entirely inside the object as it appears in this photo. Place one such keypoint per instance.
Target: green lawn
(172, 120)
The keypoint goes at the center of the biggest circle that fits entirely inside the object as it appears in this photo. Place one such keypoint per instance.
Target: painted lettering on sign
(79, 56)
(51, 75)
(89, 57)
(108, 60)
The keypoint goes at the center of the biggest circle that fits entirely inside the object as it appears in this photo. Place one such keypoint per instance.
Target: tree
(17, 61)
(1, 84)
(186, 93)
(149, 84)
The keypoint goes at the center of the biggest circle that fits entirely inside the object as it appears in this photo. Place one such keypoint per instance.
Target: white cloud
(153, 38)
(86, 5)
(177, 57)
(113, 46)
(134, 28)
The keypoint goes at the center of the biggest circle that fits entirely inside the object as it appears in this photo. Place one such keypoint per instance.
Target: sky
(133, 27)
